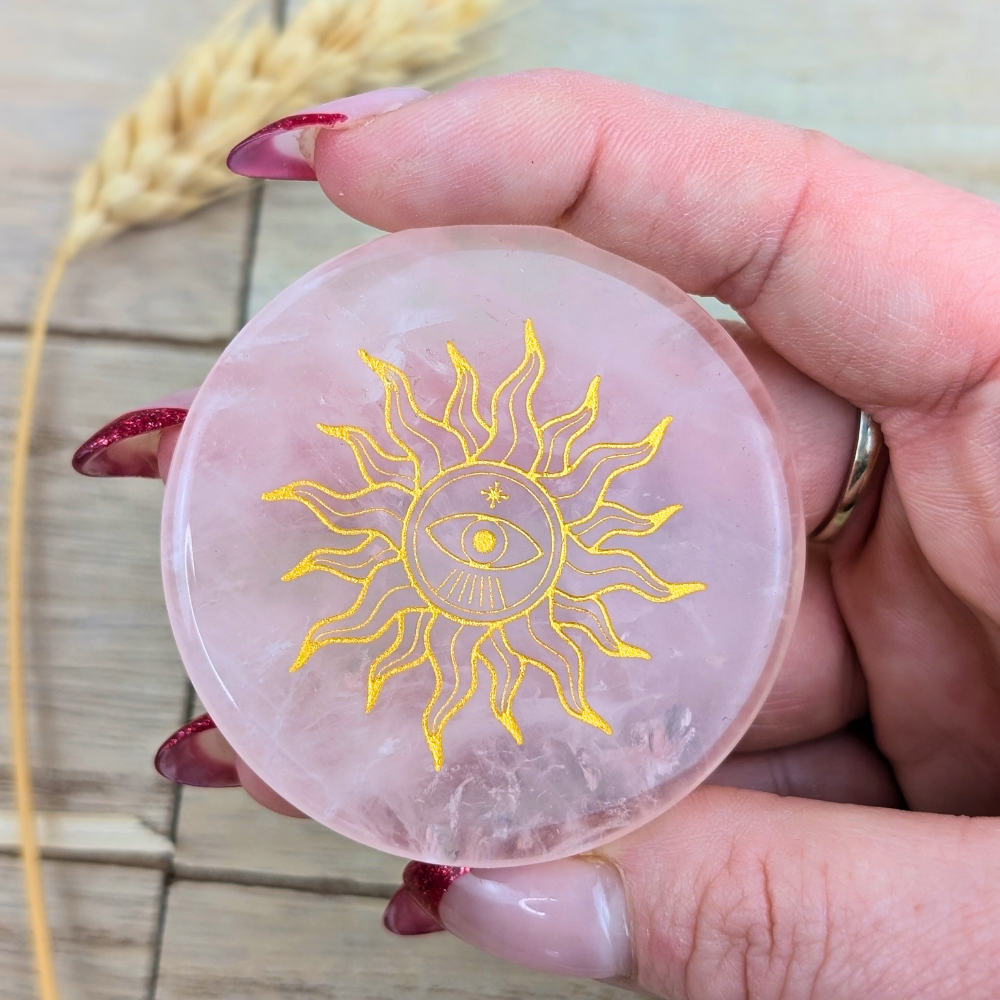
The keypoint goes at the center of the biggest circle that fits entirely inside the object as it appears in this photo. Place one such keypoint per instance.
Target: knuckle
(760, 927)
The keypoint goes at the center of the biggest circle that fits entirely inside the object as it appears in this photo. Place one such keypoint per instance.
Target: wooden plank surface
(224, 835)
(66, 71)
(106, 685)
(910, 81)
(104, 922)
(298, 230)
(245, 943)
(112, 838)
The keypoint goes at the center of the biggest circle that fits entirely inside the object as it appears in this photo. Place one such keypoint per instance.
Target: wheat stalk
(166, 156)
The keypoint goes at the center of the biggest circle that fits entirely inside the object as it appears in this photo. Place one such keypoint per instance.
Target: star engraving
(494, 494)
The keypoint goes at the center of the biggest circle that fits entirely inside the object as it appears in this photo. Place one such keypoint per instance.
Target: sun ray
(451, 649)
(357, 564)
(515, 437)
(369, 511)
(462, 411)
(431, 444)
(368, 617)
(375, 465)
(506, 673)
(405, 652)
(590, 573)
(590, 616)
(560, 434)
(612, 519)
(537, 640)
(580, 490)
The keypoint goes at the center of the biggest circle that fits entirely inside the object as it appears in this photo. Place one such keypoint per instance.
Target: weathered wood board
(248, 943)
(273, 850)
(105, 681)
(104, 922)
(66, 71)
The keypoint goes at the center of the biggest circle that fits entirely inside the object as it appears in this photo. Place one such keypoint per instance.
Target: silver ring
(866, 452)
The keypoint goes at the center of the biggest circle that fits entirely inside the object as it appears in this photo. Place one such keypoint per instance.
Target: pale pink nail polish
(405, 917)
(567, 917)
(197, 754)
(283, 150)
(127, 446)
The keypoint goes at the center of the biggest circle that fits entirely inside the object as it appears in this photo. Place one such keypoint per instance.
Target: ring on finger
(866, 451)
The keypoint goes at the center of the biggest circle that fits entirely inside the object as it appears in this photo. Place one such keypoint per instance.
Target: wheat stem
(41, 936)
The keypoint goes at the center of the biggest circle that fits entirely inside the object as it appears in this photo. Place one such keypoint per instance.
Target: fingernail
(283, 150)
(128, 445)
(404, 916)
(427, 884)
(567, 917)
(198, 754)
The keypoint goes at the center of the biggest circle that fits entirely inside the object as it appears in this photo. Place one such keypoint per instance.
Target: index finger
(872, 279)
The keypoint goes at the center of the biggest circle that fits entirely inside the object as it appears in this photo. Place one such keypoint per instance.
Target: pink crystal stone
(482, 545)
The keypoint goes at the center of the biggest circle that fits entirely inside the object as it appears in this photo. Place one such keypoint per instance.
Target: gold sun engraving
(447, 584)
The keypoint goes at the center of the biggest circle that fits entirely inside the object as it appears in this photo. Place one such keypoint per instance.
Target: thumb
(735, 894)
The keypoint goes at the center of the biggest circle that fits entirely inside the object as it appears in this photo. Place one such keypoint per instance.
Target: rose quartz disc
(526, 611)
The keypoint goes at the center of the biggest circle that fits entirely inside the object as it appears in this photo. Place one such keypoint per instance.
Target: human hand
(861, 285)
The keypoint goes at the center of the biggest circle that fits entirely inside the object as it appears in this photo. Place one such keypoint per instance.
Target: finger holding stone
(842, 767)
(821, 426)
(812, 242)
(199, 755)
(743, 895)
(820, 686)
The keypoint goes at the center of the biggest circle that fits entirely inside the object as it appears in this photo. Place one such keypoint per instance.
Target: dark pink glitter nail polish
(127, 446)
(427, 884)
(261, 155)
(197, 754)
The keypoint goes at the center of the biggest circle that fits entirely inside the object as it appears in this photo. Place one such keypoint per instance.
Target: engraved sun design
(482, 547)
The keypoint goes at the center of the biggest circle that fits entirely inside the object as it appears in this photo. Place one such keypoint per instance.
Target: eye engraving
(478, 541)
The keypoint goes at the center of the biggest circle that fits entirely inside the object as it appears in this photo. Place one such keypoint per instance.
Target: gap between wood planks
(122, 336)
(122, 840)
